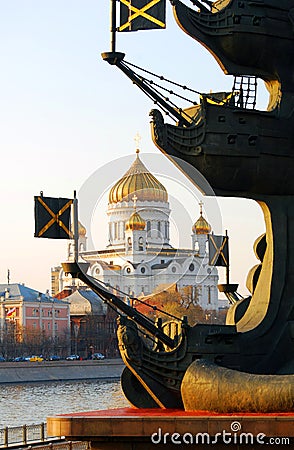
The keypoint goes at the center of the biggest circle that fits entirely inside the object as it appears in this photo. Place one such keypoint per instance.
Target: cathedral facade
(139, 258)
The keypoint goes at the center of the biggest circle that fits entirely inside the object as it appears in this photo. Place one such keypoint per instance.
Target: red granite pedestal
(144, 429)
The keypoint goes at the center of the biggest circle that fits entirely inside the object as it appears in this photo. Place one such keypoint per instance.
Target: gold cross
(135, 198)
(137, 139)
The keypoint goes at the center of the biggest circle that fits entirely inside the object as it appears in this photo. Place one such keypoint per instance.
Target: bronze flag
(52, 217)
(142, 14)
(218, 247)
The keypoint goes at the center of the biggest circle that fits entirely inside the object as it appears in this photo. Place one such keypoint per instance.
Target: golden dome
(138, 180)
(201, 226)
(81, 229)
(135, 222)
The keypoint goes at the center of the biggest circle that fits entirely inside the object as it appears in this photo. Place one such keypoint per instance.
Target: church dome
(135, 222)
(82, 230)
(138, 180)
(201, 226)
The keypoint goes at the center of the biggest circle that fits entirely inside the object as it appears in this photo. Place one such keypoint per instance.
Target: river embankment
(30, 372)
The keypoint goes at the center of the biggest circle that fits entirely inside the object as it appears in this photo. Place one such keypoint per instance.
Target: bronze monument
(247, 364)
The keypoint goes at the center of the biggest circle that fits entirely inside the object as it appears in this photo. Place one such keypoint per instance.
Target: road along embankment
(29, 372)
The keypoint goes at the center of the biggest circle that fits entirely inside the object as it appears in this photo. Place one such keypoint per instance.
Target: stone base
(144, 429)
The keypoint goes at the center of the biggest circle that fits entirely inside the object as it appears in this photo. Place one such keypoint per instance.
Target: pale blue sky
(65, 113)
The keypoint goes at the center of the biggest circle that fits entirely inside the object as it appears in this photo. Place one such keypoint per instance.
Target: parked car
(54, 358)
(73, 358)
(2, 359)
(20, 359)
(35, 358)
(97, 356)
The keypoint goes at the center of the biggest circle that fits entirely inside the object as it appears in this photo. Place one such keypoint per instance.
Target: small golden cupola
(201, 226)
(82, 230)
(138, 180)
(135, 222)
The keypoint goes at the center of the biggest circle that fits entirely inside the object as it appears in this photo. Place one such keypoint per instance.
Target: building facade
(92, 323)
(26, 314)
(139, 258)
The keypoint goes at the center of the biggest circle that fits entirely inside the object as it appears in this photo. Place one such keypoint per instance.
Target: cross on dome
(135, 198)
(137, 139)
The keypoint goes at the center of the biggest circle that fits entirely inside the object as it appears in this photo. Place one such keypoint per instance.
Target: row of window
(35, 326)
(48, 312)
(117, 229)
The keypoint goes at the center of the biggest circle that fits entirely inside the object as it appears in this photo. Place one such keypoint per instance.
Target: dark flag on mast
(142, 15)
(218, 247)
(52, 217)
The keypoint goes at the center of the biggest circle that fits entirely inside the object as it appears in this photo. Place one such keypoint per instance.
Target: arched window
(158, 229)
(148, 225)
(141, 248)
(166, 230)
(109, 231)
(115, 230)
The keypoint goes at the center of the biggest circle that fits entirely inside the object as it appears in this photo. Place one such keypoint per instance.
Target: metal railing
(67, 445)
(31, 436)
(23, 434)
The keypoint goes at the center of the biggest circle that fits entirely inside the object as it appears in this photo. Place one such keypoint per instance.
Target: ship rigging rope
(155, 308)
(182, 86)
(162, 78)
(151, 84)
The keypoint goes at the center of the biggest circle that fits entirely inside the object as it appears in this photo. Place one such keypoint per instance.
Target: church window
(209, 271)
(208, 295)
(115, 230)
(34, 325)
(97, 271)
(82, 247)
(129, 243)
(128, 270)
(174, 269)
(56, 326)
(140, 244)
(148, 226)
(158, 228)
(48, 325)
(143, 270)
(110, 233)
(166, 230)
(162, 261)
(191, 267)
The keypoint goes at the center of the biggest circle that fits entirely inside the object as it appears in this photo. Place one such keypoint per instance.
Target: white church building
(139, 258)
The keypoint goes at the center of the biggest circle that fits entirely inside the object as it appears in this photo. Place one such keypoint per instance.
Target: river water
(33, 403)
